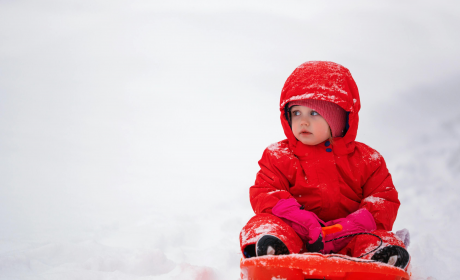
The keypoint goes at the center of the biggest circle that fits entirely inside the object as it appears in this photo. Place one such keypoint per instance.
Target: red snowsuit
(330, 179)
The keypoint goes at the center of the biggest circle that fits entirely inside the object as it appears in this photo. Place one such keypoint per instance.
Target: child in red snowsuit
(320, 176)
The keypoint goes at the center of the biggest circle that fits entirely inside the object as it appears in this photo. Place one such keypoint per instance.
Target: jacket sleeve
(381, 197)
(270, 186)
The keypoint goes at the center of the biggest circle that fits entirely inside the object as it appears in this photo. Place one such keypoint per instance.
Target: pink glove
(305, 223)
(358, 221)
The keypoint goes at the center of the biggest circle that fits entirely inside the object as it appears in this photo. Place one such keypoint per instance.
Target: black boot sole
(267, 241)
(383, 255)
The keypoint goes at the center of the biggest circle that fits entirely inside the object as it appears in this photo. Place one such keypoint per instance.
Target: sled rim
(312, 265)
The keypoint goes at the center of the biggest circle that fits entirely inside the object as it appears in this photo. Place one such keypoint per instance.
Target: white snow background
(130, 130)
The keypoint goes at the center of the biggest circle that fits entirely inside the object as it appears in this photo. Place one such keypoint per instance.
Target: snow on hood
(327, 81)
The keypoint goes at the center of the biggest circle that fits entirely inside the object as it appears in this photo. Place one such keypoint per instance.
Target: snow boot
(393, 255)
(270, 245)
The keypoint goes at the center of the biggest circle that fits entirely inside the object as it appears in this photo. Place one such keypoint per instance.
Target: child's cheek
(294, 128)
(325, 130)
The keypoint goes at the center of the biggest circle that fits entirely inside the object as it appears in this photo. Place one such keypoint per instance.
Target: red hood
(328, 81)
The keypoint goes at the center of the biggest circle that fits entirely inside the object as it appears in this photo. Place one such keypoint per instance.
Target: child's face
(308, 126)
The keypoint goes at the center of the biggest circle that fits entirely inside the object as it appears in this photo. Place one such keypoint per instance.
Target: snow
(259, 230)
(429, 209)
(131, 130)
(273, 191)
(373, 200)
(330, 98)
(375, 156)
(278, 150)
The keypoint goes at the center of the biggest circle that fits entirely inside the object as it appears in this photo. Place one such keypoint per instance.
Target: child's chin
(308, 142)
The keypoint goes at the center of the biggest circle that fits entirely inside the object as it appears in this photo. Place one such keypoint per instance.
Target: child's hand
(358, 221)
(305, 223)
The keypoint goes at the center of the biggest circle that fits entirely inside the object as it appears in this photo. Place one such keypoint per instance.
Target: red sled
(317, 266)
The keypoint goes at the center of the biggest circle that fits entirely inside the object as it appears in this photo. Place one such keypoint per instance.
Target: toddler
(319, 190)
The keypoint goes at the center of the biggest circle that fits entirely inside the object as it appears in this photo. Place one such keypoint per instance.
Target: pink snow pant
(262, 224)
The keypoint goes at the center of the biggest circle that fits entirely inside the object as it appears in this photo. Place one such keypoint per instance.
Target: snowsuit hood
(327, 81)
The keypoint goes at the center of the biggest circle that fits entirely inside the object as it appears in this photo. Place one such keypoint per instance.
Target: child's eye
(314, 113)
(296, 113)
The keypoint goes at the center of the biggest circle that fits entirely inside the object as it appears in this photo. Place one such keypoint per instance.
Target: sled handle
(331, 229)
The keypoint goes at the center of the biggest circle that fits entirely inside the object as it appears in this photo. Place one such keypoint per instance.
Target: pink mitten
(305, 223)
(358, 221)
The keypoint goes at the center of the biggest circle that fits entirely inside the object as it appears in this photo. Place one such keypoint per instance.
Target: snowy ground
(131, 130)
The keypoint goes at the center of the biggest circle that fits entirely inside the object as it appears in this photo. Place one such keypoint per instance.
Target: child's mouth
(305, 133)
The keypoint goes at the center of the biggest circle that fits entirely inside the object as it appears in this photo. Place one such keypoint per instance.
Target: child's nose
(306, 121)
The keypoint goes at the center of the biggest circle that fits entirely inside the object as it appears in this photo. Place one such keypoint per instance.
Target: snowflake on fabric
(370, 156)
(318, 96)
(273, 191)
(374, 200)
(375, 156)
(259, 230)
(279, 150)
